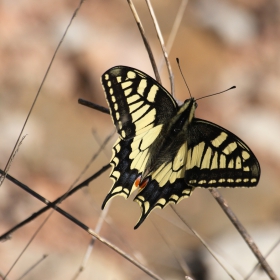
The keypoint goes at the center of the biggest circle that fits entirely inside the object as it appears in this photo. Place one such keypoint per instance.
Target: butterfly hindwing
(122, 174)
(218, 158)
(153, 196)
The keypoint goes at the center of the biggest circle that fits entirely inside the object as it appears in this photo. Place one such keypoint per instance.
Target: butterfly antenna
(178, 62)
(215, 93)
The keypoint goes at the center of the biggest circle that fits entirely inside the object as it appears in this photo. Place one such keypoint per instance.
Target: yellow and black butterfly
(163, 150)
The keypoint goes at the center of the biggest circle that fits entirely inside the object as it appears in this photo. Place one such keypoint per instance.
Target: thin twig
(146, 43)
(32, 267)
(82, 225)
(92, 241)
(102, 144)
(243, 232)
(2, 275)
(176, 25)
(101, 148)
(58, 200)
(171, 76)
(28, 243)
(202, 241)
(174, 30)
(178, 257)
(12, 156)
(4, 174)
(100, 221)
(266, 256)
(40, 87)
(94, 106)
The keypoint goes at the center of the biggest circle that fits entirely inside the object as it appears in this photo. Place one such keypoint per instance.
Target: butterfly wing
(218, 158)
(139, 106)
(136, 101)
(211, 157)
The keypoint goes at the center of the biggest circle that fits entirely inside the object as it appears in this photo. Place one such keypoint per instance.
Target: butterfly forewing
(138, 106)
(148, 150)
(137, 102)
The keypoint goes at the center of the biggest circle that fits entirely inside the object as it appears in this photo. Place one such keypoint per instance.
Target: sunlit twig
(171, 76)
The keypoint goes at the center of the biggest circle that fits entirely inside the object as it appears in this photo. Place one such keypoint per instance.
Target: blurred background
(220, 44)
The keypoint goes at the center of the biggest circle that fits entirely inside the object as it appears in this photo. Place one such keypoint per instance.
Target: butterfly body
(172, 136)
(163, 150)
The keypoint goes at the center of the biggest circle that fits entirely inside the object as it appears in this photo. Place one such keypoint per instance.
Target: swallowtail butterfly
(163, 151)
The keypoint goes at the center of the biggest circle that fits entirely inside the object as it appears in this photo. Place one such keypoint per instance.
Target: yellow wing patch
(171, 171)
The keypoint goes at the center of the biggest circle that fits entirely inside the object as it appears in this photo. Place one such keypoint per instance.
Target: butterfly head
(186, 112)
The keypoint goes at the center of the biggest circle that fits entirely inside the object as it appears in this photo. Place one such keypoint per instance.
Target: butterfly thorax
(172, 136)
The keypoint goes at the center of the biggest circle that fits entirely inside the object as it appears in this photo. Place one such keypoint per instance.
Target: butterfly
(163, 150)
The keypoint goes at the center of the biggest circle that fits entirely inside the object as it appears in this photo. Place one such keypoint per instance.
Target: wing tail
(121, 174)
(153, 196)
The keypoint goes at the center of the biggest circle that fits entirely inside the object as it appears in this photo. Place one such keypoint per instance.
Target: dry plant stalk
(244, 233)
(146, 43)
(165, 54)
(202, 241)
(37, 95)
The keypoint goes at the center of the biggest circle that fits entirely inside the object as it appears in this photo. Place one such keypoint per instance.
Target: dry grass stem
(85, 183)
(171, 76)
(39, 90)
(146, 43)
(266, 255)
(202, 241)
(174, 30)
(32, 267)
(243, 232)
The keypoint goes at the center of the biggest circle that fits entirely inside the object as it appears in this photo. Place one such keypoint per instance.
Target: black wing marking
(137, 102)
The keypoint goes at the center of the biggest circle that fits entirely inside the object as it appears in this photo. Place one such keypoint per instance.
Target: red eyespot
(140, 184)
(137, 181)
